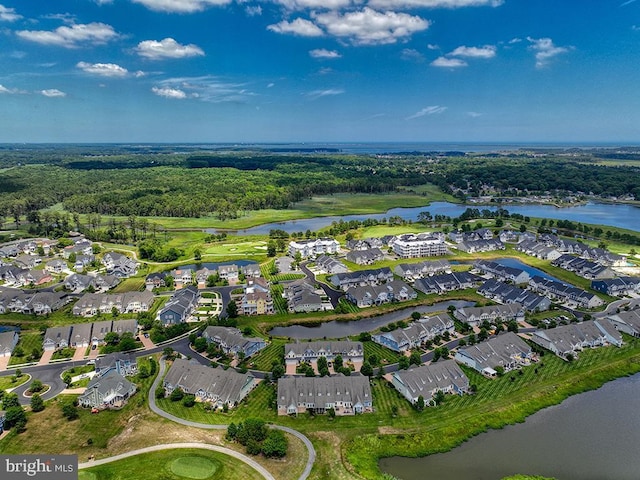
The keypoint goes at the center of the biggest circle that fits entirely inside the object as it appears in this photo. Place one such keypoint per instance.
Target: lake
(337, 329)
(591, 436)
(616, 215)
(532, 271)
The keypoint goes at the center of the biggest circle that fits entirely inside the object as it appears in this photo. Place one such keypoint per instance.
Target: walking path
(170, 446)
(154, 408)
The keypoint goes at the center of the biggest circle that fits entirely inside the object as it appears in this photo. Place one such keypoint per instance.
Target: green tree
(415, 359)
(14, 416)
(366, 369)
(323, 367)
(10, 400)
(197, 255)
(36, 386)
(337, 363)
(67, 379)
(275, 445)
(420, 403)
(403, 364)
(415, 315)
(70, 411)
(232, 309)
(176, 395)
(37, 404)
(189, 401)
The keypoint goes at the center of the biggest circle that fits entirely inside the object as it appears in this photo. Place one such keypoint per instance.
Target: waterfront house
(507, 350)
(426, 380)
(416, 333)
(566, 340)
(345, 395)
(231, 341)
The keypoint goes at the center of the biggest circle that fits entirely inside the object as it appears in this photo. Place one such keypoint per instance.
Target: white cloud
(253, 11)
(474, 114)
(488, 51)
(445, 62)
(8, 14)
(205, 88)
(73, 36)
(299, 26)
(325, 93)
(431, 46)
(6, 90)
(103, 69)
(515, 40)
(411, 54)
(168, 92)
(370, 27)
(271, 85)
(324, 53)
(181, 6)
(314, 4)
(395, 4)
(167, 48)
(52, 93)
(431, 110)
(545, 50)
(103, 2)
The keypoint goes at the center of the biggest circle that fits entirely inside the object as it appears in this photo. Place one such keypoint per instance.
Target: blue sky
(319, 71)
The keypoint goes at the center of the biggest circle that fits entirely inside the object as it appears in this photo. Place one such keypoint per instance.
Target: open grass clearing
(179, 464)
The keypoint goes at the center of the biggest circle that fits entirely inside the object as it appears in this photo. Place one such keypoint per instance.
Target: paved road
(170, 446)
(333, 294)
(154, 408)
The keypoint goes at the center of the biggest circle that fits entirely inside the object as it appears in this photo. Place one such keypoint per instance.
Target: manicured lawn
(28, 342)
(178, 464)
(7, 382)
(264, 359)
(384, 355)
(266, 267)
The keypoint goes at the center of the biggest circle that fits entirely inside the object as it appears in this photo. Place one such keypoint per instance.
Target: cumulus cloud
(446, 62)
(299, 26)
(434, 3)
(431, 110)
(181, 6)
(73, 36)
(103, 69)
(370, 27)
(545, 50)
(314, 4)
(325, 93)
(53, 93)
(411, 55)
(167, 48)
(8, 14)
(324, 53)
(488, 51)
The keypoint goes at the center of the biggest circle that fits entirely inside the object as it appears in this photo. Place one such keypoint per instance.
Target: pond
(616, 215)
(591, 436)
(532, 271)
(337, 329)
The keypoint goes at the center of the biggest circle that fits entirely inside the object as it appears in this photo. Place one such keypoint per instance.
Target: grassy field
(384, 355)
(179, 464)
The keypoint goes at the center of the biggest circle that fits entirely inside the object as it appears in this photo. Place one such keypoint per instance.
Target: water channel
(337, 329)
(591, 436)
(616, 215)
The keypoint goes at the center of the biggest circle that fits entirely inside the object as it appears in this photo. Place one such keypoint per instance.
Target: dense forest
(163, 181)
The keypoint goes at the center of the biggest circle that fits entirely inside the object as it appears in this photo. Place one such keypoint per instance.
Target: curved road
(154, 408)
(169, 446)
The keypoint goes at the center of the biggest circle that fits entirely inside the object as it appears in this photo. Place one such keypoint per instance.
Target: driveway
(46, 357)
(4, 363)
